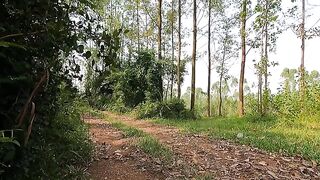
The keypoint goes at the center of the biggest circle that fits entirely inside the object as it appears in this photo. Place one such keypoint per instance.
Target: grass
(146, 143)
(127, 130)
(154, 148)
(291, 138)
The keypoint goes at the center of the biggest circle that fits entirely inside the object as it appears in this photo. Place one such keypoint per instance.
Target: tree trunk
(302, 68)
(179, 51)
(138, 25)
(172, 49)
(147, 37)
(160, 43)
(259, 70)
(220, 95)
(265, 93)
(209, 62)
(243, 16)
(193, 73)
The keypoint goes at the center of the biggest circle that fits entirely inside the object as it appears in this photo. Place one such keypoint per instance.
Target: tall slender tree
(194, 51)
(159, 38)
(243, 19)
(302, 35)
(209, 61)
(179, 51)
(172, 47)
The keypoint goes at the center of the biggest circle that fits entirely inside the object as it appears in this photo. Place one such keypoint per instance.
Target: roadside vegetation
(273, 135)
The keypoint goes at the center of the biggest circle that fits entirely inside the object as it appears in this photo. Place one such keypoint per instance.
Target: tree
(227, 49)
(209, 60)
(179, 51)
(194, 51)
(159, 37)
(265, 26)
(243, 19)
(172, 18)
(302, 36)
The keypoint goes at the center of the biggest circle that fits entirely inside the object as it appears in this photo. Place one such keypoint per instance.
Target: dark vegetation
(41, 46)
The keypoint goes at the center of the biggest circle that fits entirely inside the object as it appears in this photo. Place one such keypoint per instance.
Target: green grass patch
(147, 143)
(291, 138)
(153, 147)
(127, 130)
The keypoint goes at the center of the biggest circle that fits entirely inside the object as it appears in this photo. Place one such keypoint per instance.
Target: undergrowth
(57, 150)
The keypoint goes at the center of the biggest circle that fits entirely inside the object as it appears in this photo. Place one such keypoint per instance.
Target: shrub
(170, 109)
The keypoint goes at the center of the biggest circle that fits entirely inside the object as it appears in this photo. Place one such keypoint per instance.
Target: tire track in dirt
(224, 159)
(114, 156)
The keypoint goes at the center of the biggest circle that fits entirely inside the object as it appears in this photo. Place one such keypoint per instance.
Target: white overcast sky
(288, 53)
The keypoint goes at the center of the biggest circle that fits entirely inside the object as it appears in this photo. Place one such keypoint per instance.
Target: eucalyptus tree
(243, 19)
(302, 36)
(267, 13)
(179, 51)
(194, 51)
(226, 51)
(209, 60)
(159, 36)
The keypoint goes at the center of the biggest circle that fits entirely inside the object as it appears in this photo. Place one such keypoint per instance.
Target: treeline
(160, 29)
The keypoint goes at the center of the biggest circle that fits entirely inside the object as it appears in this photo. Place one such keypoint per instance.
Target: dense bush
(59, 146)
(170, 109)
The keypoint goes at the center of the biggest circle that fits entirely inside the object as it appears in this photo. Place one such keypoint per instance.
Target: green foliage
(64, 143)
(128, 85)
(170, 109)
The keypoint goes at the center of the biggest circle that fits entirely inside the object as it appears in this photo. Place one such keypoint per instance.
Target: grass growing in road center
(147, 143)
(153, 147)
(127, 130)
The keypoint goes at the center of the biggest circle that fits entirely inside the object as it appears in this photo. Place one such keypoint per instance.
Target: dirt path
(223, 159)
(115, 158)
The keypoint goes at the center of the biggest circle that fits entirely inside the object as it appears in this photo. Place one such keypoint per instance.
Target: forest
(159, 89)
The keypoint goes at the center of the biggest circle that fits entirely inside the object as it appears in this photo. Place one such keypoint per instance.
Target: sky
(287, 54)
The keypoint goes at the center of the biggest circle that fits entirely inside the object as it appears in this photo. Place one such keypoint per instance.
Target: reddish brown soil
(116, 157)
(223, 159)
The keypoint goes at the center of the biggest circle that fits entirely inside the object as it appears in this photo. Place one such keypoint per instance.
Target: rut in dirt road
(223, 159)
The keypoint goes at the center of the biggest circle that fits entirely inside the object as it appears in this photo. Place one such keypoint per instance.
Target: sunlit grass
(291, 138)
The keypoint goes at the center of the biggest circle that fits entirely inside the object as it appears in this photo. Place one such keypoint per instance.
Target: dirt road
(195, 156)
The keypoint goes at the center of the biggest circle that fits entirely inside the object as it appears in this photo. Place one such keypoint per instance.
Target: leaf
(87, 54)
(11, 44)
(16, 142)
(80, 49)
